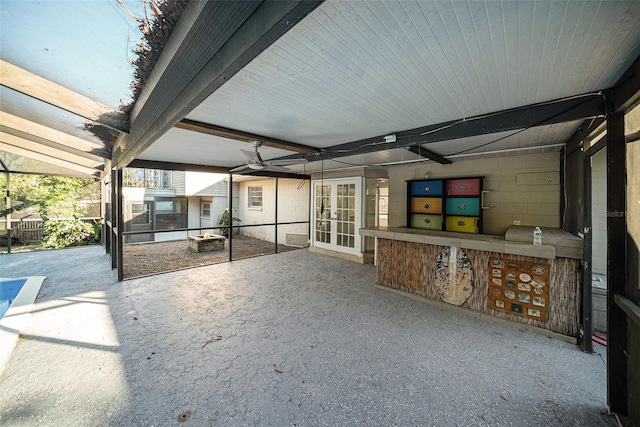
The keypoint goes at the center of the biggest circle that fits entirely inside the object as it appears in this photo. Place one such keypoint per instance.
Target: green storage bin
(426, 222)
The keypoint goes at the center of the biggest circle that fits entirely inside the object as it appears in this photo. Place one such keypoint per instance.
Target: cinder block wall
(512, 196)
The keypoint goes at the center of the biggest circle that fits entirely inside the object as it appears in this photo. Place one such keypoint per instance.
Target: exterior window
(147, 178)
(140, 213)
(171, 213)
(255, 197)
(205, 209)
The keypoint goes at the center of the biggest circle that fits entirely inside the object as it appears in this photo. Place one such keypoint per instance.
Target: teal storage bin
(463, 206)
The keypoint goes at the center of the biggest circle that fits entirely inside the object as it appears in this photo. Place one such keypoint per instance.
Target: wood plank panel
(411, 267)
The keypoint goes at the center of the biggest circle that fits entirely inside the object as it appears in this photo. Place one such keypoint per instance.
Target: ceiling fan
(255, 162)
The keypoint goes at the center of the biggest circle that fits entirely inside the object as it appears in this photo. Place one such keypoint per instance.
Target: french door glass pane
(323, 211)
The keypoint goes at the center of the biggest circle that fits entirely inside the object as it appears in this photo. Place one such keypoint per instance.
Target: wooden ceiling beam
(82, 159)
(423, 152)
(237, 135)
(211, 43)
(48, 159)
(25, 82)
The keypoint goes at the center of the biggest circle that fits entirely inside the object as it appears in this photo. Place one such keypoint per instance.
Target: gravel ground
(142, 259)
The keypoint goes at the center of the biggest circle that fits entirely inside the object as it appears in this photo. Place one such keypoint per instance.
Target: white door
(337, 214)
(206, 211)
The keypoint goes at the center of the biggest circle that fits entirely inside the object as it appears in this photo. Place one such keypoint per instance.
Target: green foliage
(58, 197)
(65, 233)
(223, 219)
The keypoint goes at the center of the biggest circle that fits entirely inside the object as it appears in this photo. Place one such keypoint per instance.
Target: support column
(8, 207)
(616, 266)
(113, 214)
(119, 223)
(230, 204)
(587, 297)
(276, 218)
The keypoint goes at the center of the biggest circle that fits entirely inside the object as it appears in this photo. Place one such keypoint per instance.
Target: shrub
(223, 219)
(65, 233)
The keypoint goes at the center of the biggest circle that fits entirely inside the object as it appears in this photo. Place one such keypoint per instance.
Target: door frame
(333, 246)
(587, 290)
(129, 217)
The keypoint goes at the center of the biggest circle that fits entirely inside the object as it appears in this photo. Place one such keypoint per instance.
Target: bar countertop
(559, 243)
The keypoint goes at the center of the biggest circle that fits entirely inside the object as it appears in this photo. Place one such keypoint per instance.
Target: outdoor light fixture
(390, 138)
(255, 166)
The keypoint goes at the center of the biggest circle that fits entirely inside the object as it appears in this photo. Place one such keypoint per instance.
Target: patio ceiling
(64, 74)
(457, 78)
(328, 81)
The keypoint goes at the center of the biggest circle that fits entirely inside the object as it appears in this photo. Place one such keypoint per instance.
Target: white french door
(337, 214)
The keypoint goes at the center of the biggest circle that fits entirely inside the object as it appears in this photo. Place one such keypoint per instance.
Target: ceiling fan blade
(253, 156)
(275, 168)
(240, 169)
(285, 162)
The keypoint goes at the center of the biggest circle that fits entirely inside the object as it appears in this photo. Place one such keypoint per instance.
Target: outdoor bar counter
(504, 276)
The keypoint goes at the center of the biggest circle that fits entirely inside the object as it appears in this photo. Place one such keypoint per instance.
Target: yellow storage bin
(432, 205)
(463, 224)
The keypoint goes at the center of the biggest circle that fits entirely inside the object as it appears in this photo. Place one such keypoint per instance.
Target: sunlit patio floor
(291, 339)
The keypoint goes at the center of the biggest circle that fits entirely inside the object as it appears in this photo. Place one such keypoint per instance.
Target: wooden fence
(28, 230)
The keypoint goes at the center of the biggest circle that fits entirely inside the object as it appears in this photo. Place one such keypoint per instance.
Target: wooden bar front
(410, 260)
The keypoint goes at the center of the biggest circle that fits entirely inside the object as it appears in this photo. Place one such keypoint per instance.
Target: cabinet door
(464, 224)
(463, 187)
(426, 188)
(463, 206)
(426, 205)
(426, 222)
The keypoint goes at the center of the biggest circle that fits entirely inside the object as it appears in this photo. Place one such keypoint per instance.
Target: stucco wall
(293, 205)
(510, 198)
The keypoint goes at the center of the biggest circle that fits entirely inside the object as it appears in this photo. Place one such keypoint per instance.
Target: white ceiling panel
(352, 70)
(183, 146)
(532, 137)
(379, 158)
(540, 139)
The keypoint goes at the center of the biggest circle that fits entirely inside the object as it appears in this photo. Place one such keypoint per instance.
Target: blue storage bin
(426, 188)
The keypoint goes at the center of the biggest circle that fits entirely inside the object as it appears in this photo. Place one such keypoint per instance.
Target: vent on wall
(538, 178)
(297, 240)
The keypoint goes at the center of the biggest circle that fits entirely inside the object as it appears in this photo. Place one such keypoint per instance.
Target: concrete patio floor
(292, 339)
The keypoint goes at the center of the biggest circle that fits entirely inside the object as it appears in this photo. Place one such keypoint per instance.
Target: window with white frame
(255, 197)
(205, 209)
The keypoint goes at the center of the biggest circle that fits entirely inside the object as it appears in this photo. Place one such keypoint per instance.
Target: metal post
(230, 203)
(376, 220)
(312, 207)
(616, 268)
(8, 207)
(113, 247)
(120, 224)
(587, 301)
(276, 218)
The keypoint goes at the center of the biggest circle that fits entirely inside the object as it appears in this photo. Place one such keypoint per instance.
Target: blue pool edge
(15, 319)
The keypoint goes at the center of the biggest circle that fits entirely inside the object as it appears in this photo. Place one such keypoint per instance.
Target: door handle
(482, 206)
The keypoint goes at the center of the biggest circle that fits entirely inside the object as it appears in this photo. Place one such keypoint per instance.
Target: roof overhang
(345, 84)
